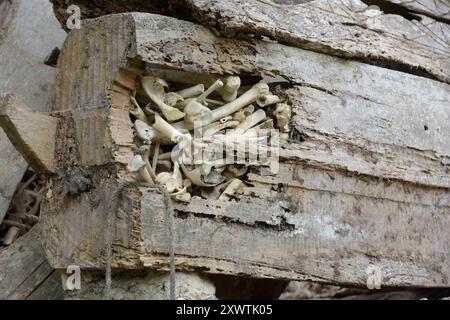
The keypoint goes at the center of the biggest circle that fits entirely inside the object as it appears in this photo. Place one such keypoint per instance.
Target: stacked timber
(363, 178)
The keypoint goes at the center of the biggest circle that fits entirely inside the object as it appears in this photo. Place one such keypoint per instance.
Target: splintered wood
(25, 273)
(210, 143)
(363, 178)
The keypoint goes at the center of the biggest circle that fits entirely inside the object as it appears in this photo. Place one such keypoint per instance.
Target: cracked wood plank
(51, 289)
(32, 133)
(337, 27)
(328, 216)
(346, 197)
(312, 178)
(433, 8)
(25, 270)
(247, 211)
(28, 32)
(390, 99)
(335, 238)
(364, 134)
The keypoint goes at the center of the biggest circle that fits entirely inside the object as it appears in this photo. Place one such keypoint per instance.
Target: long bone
(155, 91)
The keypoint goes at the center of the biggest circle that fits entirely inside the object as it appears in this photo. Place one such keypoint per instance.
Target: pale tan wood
(29, 31)
(320, 217)
(32, 133)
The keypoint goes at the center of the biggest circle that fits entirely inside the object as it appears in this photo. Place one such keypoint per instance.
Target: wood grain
(364, 176)
(24, 270)
(337, 27)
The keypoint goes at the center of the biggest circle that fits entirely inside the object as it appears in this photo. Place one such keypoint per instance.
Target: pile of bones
(202, 139)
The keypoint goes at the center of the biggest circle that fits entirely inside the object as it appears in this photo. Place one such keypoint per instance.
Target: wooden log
(51, 289)
(23, 73)
(364, 180)
(24, 271)
(144, 285)
(345, 27)
(32, 133)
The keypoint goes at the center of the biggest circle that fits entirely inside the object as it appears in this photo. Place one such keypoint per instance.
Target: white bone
(155, 91)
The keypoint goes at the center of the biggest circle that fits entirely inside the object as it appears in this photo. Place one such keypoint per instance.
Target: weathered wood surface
(28, 32)
(25, 273)
(12, 170)
(338, 27)
(364, 177)
(32, 133)
(348, 86)
(386, 140)
(434, 8)
(94, 9)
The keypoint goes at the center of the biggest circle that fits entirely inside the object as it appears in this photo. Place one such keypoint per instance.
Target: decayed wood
(363, 181)
(390, 126)
(24, 271)
(144, 285)
(90, 9)
(12, 170)
(345, 28)
(433, 8)
(32, 133)
(23, 72)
